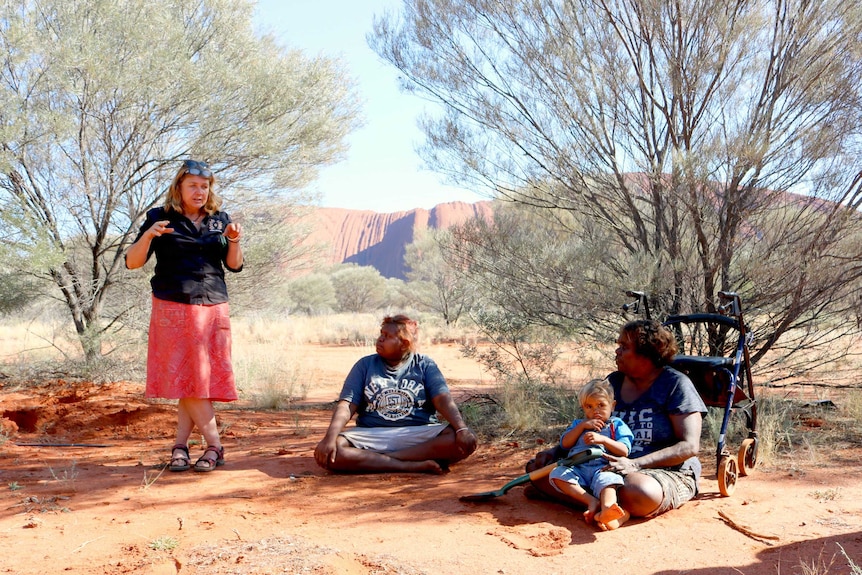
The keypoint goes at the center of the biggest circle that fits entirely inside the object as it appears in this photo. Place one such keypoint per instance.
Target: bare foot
(591, 511)
(427, 466)
(612, 518)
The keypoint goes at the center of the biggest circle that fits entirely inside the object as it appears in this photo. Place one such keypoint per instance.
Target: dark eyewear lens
(197, 168)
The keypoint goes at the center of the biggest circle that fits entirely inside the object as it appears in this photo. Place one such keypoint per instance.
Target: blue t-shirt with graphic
(394, 397)
(672, 393)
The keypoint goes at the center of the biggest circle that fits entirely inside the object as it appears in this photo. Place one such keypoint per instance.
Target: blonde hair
(408, 330)
(596, 388)
(174, 198)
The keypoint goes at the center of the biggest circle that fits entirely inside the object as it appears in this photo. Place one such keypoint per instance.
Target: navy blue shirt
(190, 263)
(648, 416)
(394, 397)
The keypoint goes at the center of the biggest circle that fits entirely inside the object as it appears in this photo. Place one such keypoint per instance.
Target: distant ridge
(370, 238)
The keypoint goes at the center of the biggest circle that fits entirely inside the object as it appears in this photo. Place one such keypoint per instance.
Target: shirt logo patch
(394, 404)
(215, 225)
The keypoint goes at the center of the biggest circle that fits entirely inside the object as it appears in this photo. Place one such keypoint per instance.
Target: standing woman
(188, 356)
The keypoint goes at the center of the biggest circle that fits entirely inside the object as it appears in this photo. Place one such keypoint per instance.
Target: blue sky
(382, 171)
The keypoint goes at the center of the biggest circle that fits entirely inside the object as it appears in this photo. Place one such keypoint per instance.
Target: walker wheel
(727, 474)
(747, 456)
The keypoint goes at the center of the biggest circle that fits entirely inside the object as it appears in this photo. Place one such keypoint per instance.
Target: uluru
(369, 238)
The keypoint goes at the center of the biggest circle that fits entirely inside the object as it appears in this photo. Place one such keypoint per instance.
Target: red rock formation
(369, 238)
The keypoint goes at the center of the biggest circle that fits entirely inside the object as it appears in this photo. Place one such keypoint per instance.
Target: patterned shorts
(677, 487)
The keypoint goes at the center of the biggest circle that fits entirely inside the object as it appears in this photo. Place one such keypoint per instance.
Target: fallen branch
(84, 544)
(745, 531)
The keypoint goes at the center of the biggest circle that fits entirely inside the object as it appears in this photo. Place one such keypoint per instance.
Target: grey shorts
(677, 487)
(385, 439)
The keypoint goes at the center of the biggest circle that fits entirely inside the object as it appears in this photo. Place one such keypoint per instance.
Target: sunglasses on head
(196, 168)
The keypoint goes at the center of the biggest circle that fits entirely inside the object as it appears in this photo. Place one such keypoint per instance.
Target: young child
(587, 483)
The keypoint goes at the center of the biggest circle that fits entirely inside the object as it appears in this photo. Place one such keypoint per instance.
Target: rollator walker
(714, 354)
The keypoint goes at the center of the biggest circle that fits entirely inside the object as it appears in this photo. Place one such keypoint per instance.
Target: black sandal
(206, 464)
(180, 463)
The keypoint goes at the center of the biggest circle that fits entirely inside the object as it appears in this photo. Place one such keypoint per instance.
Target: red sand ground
(108, 509)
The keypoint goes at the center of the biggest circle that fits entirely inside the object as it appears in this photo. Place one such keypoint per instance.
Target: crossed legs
(192, 412)
(428, 457)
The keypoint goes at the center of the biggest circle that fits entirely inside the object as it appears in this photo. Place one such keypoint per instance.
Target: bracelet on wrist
(233, 240)
(460, 429)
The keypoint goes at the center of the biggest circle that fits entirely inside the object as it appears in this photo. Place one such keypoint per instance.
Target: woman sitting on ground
(396, 395)
(665, 413)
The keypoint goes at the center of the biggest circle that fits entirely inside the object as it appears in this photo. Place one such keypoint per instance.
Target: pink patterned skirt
(189, 352)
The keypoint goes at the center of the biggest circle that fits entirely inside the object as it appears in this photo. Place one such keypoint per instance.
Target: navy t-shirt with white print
(399, 397)
(672, 393)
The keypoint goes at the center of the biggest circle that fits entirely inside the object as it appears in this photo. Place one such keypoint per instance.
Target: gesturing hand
(233, 232)
(161, 227)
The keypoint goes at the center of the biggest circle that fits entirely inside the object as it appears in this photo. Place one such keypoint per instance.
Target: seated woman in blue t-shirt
(665, 413)
(396, 395)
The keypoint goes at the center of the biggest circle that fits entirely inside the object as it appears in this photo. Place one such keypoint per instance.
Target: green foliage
(436, 283)
(16, 291)
(97, 114)
(637, 158)
(398, 295)
(531, 394)
(27, 244)
(347, 289)
(164, 543)
(25, 250)
(273, 248)
(358, 288)
(545, 268)
(520, 351)
(312, 294)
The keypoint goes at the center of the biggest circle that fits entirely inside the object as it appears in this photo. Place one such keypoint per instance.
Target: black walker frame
(714, 353)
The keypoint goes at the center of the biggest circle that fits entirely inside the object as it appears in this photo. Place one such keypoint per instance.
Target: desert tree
(434, 282)
(25, 249)
(537, 287)
(398, 296)
(101, 100)
(311, 294)
(358, 288)
(277, 248)
(715, 144)
(545, 273)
